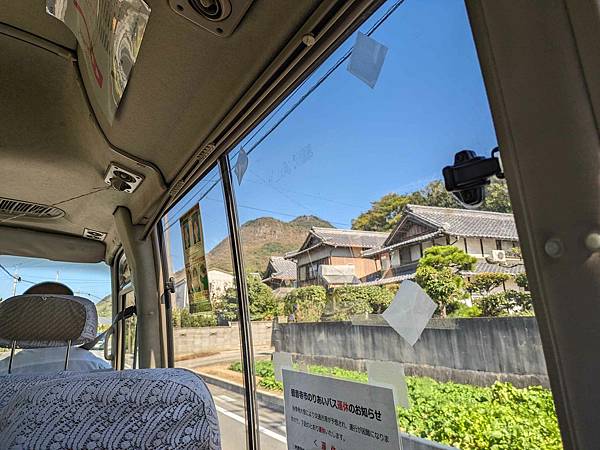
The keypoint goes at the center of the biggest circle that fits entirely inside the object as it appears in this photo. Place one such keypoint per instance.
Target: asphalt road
(232, 422)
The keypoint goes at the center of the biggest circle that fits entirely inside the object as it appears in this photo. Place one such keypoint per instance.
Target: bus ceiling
(191, 94)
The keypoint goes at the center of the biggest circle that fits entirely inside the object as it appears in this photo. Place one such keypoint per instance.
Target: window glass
(349, 184)
(206, 332)
(90, 281)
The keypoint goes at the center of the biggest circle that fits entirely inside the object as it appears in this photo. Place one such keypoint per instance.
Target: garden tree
(305, 304)
(263, 304)
(447, 256)
(437, 274)
(444, 286)
(521, 280)
(384, 213)
(505, 303)
(484, 283)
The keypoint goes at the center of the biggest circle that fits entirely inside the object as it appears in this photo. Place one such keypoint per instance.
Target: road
(232, 422)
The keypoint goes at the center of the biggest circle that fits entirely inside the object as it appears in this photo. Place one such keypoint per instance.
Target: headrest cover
(50, 320)
(49, 287)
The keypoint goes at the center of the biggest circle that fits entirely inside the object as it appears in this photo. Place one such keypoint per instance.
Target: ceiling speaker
(220, 17)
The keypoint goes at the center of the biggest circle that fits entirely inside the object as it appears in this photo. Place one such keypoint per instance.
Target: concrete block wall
(476, 351)
(204, 340)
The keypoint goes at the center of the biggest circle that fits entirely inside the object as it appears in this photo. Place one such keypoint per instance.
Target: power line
(301, 100)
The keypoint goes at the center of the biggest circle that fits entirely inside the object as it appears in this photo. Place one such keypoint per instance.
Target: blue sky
(348, 144)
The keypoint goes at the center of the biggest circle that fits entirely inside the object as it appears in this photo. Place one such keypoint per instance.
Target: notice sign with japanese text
(323, 413)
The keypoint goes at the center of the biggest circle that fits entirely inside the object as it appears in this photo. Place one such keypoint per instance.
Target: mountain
(104, 307)
(262, 238)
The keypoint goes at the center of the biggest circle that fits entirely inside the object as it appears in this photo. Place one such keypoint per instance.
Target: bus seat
(35, 322)
(143, 408)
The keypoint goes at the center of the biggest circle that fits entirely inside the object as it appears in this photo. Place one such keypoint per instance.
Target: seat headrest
(49, 320)
(49, 287)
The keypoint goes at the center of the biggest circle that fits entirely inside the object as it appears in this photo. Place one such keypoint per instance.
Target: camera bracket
(467, 178)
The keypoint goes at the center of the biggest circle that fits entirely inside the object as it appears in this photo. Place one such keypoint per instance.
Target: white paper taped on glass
(367, 59)
(109, 34)
(323, 412)
(410, 311)
(390, 374)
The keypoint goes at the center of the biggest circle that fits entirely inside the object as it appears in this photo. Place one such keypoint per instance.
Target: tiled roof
(421, 238)
(466, 223)
(336, 237)
(512, 268)
(283, 269)
(481, 266)
(350, 238)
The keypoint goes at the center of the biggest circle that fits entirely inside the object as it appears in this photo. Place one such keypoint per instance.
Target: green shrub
(505, 303)
(499, 417)
(463, 310)
(522, 281)
(305, 304)
(263, 304)
(183, 318)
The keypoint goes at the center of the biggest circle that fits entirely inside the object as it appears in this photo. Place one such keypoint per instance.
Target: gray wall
(476, 351)
(192, 341)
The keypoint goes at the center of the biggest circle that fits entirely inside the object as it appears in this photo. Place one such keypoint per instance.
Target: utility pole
(16, 279)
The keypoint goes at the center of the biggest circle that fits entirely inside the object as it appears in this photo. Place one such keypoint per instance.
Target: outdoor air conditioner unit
(498, 256)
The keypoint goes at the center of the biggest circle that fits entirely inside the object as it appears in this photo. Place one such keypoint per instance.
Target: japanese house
(280, 273)
(488, 236)
(342, 249)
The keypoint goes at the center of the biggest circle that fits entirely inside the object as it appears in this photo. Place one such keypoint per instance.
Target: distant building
(280, 273)
(488, 236)
(333, 257)
(218, 282)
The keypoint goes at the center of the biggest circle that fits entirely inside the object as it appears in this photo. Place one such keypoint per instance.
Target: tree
(522, 281)
(383, 214)
(483, 283)
(263, 304)
(305, 304)
(435, 194)
(497, 198)
(505, 303)
(437, 274)
(447, 256)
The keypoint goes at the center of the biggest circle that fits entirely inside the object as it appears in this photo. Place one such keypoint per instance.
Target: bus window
(90, 281)
(342, 206)
(206, 332)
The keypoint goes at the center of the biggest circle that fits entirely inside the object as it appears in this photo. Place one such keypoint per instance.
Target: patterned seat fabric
(131, 409)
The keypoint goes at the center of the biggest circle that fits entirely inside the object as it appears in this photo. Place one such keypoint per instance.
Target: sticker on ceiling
(109, 34)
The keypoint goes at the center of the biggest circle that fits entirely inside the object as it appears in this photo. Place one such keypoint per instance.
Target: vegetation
(263, 304)
(499, 417)
(484, 283)
(437, 274)
(305, 304)
(263, 238)
(505, 303)
(184, 319)
(384, 213)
